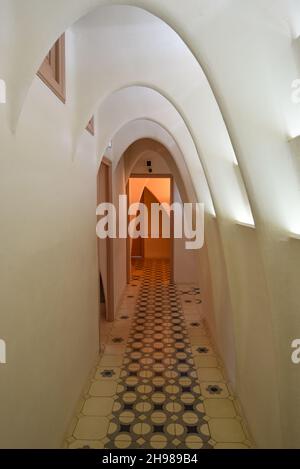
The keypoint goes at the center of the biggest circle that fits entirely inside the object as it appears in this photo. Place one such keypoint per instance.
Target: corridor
(167, 131)
(159, 383)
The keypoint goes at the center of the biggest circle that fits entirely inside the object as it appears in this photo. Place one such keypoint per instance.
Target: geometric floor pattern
(160, 402)
(159, 383)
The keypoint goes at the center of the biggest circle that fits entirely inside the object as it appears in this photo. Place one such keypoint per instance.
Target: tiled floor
(159, 382)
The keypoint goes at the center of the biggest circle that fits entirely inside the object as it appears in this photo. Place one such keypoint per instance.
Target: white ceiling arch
(135, 102)
(35, 25)
(140, 48)
(148, 106)
(155, 55)
(147, 128)
(146, 147)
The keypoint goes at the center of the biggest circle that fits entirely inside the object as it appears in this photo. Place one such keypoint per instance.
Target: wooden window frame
(53, 69)
(91, 126)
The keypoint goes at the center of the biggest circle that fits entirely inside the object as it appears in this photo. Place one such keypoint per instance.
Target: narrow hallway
(159, 382)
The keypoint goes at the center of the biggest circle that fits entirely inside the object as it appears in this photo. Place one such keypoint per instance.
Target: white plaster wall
(48, 274)
(159, 165)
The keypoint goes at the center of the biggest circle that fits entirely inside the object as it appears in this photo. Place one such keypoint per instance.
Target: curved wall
(247, 52)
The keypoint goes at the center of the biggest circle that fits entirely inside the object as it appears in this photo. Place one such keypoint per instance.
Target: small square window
(52, 70)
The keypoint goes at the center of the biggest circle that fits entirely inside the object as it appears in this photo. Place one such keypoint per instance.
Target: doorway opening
(105, 256)
(148, 190)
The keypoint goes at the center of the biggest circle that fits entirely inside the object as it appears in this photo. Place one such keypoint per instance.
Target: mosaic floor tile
(159, 355)
(215, 390)
(159, 383)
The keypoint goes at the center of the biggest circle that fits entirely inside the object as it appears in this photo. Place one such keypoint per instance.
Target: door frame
(128, 253)
(110, 302)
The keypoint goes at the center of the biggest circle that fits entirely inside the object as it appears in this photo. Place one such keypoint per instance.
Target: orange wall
(155, 248)
(161, 189)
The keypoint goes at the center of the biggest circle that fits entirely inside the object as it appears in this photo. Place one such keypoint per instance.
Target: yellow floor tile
(91, 428)
(98, 406)
(219, 408)
(103, 388)
(226, 431)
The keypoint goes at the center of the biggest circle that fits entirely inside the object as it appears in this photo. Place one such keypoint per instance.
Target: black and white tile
(160, 383)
